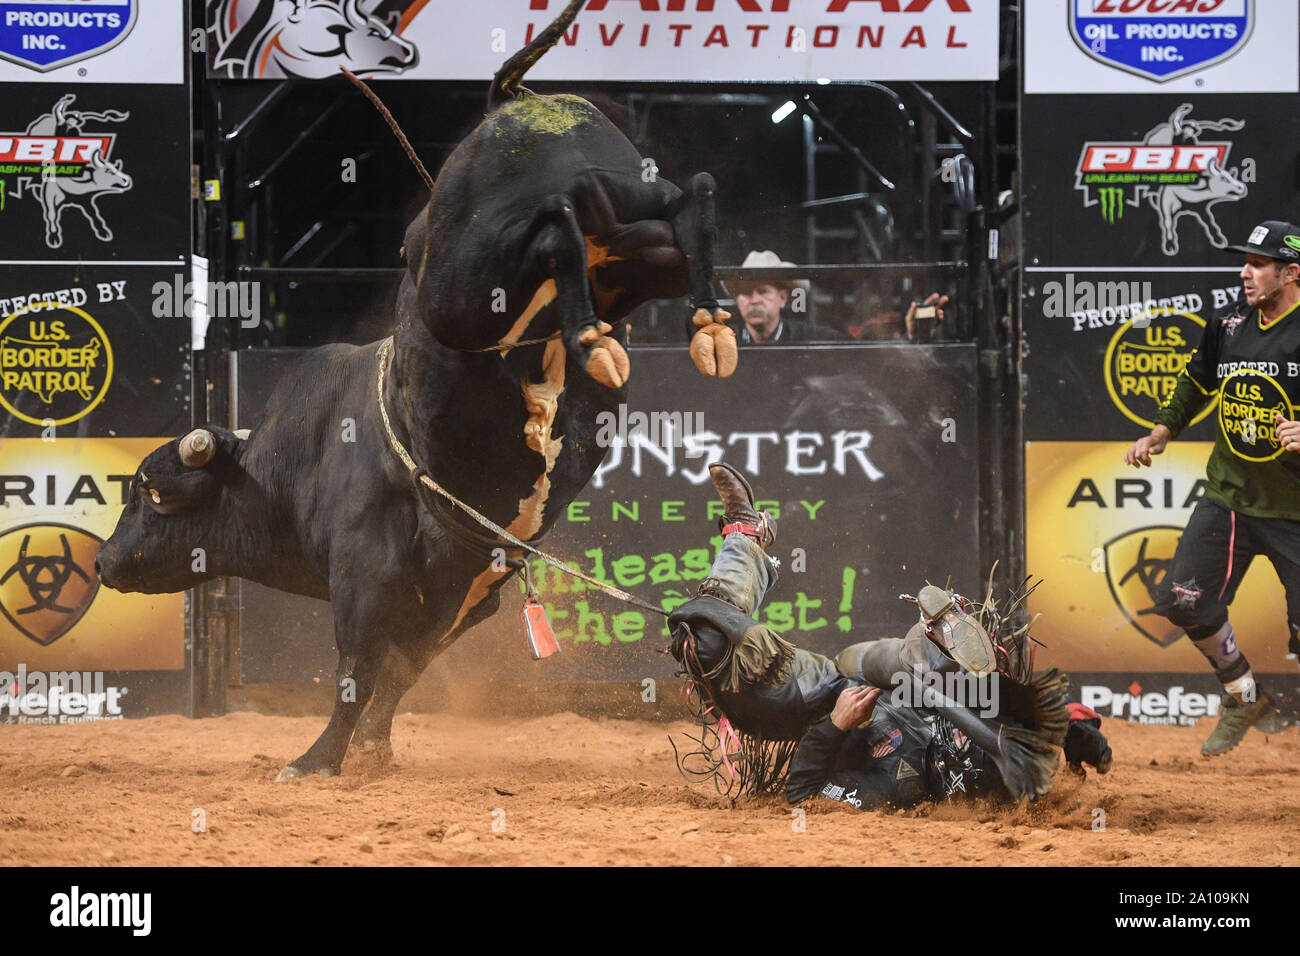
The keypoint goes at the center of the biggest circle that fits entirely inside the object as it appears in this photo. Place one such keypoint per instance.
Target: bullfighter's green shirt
(1254, 370)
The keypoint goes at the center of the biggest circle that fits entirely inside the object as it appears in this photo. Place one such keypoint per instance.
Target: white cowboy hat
(767, 259)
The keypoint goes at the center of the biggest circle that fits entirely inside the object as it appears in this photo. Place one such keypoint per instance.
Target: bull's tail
(509, 79)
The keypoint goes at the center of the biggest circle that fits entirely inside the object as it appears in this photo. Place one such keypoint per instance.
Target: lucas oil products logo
(55, 364)
(61, 162)
(1161, 39)
(43, 35)
(1179, 174)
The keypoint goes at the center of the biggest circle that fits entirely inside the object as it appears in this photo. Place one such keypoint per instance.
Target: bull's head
(108, 176)
(171, 509)
(1222, 183)
(318, 35)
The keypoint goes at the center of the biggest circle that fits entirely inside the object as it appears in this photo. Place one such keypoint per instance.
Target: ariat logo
(1136, 563)
(47, 578)
(1143, 364)
(55, 368)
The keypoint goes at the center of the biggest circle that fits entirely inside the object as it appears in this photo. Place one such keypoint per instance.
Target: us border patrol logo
(43, 35)
(1161, 39)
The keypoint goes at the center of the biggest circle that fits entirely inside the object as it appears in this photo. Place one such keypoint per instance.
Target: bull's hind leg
(694, 218)
(558, 250)
(401, 669)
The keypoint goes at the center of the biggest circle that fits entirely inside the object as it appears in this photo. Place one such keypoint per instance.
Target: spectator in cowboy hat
(761, 302)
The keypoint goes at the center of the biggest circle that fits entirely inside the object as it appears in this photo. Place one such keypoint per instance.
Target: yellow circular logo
(57, 354)
(1248, 407)
(1143, 363)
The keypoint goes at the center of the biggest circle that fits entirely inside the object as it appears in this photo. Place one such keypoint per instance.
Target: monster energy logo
(1112, 202)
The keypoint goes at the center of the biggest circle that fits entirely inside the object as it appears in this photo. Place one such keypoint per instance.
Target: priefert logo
(61, 697)
(1178, 707)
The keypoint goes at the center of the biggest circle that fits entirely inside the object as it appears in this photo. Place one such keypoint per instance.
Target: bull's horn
(197, 448)
(243, 433)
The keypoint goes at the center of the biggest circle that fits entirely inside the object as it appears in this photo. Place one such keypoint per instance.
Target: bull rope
(420, 473)
(392, 124)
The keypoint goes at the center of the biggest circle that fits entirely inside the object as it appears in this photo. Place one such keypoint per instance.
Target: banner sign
(1145, 46)
(1101, 535)
(94, 173)
(92, 351)
(1106, 348)
(62, 499)
(867, 455)
(92, 41)
(695, 41)
(1153, 180)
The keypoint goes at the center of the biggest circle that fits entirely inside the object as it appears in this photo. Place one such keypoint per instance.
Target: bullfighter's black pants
(1213, 555)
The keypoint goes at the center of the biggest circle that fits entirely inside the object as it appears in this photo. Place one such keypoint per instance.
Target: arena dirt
(564, 789)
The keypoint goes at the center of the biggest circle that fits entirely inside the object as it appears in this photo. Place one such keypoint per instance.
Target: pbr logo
(309, 39)
(47, 578)
(43, 35)
(1136, 563)
(1178, 173)
(1161, 39)
(58, 163)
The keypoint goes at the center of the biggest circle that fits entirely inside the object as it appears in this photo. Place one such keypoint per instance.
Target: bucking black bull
(543, 207)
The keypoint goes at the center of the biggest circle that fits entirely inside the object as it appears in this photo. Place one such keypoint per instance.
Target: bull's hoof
(713, 350)
(607, 362)
(373, 751)
(295, 772)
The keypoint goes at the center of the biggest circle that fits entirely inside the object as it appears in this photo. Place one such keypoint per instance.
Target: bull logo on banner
(1136, 563)
(1177, 172)
(64, 166)
(46, 36)
(1159, 39)
(311, 39)
(47, 578)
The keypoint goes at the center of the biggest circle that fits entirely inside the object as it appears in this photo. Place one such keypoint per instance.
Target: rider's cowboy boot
(959, 635)
(739, 513)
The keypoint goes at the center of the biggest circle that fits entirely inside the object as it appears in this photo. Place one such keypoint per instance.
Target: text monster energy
(1112, 202)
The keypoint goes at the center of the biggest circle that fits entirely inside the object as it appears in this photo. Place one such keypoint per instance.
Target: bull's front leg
(558, 251)
(362, 641)
(694, 219)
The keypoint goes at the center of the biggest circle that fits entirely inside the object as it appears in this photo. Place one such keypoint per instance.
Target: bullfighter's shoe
(739, 513)
(1235, 720)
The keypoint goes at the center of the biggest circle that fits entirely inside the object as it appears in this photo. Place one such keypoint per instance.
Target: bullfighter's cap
(1274, 239)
